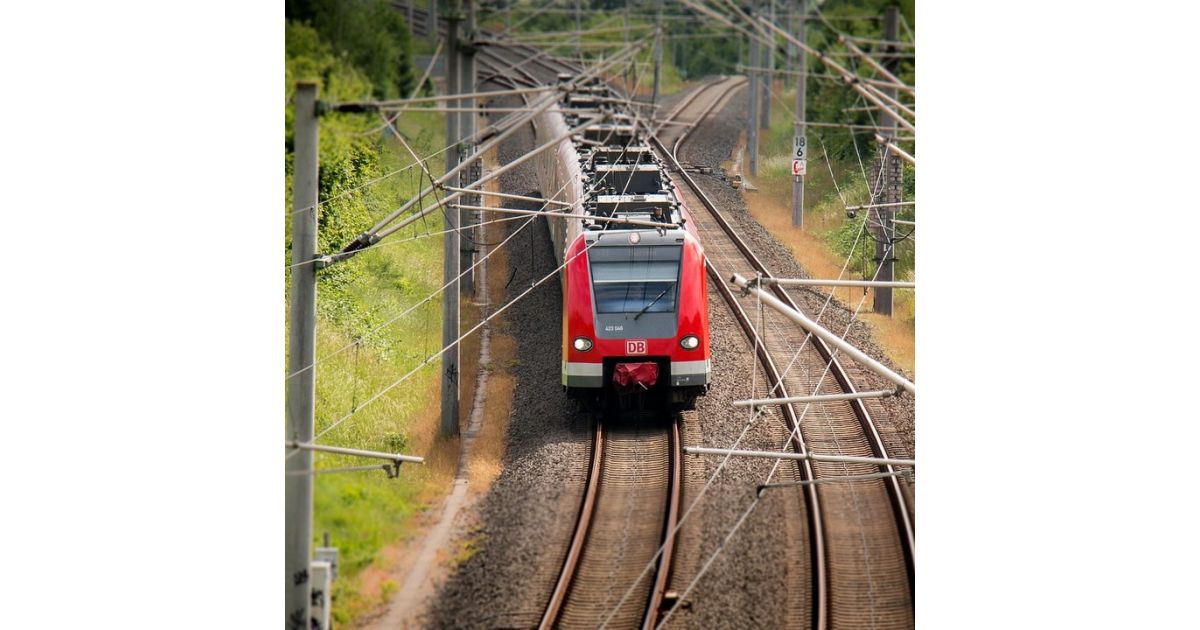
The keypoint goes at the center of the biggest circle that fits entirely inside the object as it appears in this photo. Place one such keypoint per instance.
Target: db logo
(635, 347)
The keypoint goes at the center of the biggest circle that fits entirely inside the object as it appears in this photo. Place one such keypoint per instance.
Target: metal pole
(804, 282)
(768, 82)
(752, 110)
(466, 123)
(885, 252)
(578, 29)
(817, 398)
(658, 55)
(818, 331)
(451, 242)
(625, 38)
(301, 353)
(847, 459)
(356, 452)
(800, 144)
(412, 34)
(851, 80)
(881, 205)
(431, 21)
(790, 20)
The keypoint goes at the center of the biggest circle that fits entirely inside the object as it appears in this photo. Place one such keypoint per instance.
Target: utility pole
(431, 26)
(768, 81)
(625, 36)
(789, 18)
(752, 110)
(800, 140)
(658, 54)
(302, 338)
(451, 242)
(891, 181)
(578, 29)
(466, 125)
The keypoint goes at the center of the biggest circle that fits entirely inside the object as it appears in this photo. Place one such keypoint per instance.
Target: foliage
(358, 184)
(371, 34)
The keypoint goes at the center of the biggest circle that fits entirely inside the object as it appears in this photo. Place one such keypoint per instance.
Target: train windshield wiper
(647, 307)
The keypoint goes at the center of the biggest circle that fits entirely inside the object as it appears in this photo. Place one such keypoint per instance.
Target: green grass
(363, 512)
(824, 207)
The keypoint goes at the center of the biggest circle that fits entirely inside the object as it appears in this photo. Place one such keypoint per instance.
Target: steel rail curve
(896, 497)
(582, 525)
(774, 378)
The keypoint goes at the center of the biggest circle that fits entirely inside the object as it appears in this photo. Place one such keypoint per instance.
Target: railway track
(860, 534)
(630, 508)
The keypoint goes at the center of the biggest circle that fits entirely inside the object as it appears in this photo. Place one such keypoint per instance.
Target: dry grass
(771, 206)
(487, 453)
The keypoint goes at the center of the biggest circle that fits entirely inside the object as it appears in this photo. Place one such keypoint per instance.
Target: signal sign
(799, 167)
(800, 148)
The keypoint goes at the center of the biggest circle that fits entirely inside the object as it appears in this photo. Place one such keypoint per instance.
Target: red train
(635, 297)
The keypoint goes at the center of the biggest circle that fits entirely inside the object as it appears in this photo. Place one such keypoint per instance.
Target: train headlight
(689, 342)
(582, 344)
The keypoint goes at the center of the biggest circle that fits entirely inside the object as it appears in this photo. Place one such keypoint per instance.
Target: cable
(758, 496)
(755, 415)
(439, 353)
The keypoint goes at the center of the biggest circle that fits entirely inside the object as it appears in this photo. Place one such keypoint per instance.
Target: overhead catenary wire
(528, 221)
(412, 308)
(479, 135)
(851, 79)
(380, 234)
(377, 231)
(433, 357)
(428, 360)
(758, 494)
(416, 237)
(892, 80)
(754, 415)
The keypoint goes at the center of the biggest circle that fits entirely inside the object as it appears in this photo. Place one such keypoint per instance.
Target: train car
(635, 297)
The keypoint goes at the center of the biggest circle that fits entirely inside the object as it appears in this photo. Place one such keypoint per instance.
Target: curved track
(861, 534)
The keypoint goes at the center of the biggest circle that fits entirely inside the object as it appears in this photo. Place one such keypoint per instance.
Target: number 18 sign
(799, 155)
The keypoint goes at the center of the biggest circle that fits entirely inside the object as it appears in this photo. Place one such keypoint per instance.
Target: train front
(635, 319)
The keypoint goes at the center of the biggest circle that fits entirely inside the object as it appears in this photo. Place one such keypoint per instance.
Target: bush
(371, 35)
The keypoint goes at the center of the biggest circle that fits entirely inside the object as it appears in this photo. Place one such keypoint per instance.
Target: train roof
(622, 176)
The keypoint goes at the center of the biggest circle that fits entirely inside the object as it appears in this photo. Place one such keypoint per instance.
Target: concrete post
(768, 79)
(466, 125)
(431, 21)
(801, 65)
(752, 110)
(789, 58)
(658, 55)
(322, 595)
(578, 29)
(451, 242)
(302, 319)
(885, 253)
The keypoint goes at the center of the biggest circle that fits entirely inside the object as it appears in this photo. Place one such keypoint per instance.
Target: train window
(630, 279)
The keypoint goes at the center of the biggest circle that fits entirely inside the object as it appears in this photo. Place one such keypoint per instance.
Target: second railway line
(857, 534)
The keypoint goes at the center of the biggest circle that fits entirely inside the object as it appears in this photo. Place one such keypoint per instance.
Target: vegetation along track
(861, 537)
(631, 503)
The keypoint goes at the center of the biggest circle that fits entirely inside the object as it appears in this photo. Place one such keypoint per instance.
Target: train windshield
(633, 279)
